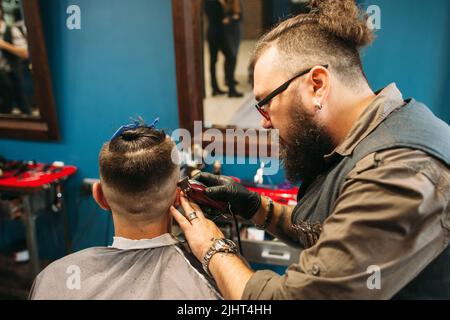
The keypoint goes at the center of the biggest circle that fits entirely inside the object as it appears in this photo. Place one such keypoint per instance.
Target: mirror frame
(188, 44)
(46, 126)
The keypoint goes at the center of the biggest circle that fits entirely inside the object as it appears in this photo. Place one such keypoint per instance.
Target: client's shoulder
(89, 255)
(57, 279)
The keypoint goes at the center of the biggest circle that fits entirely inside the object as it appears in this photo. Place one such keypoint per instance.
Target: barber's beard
(303, 147)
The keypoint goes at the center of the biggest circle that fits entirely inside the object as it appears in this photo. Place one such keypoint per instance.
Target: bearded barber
(374, 169)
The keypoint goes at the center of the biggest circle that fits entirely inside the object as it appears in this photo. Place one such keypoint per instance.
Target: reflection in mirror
(17, 96)
(231, 30)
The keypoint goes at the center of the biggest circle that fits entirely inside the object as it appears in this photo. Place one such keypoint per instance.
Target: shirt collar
(128, 244)
(386, 101)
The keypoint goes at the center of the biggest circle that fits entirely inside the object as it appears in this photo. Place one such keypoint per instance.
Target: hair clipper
(195, 191)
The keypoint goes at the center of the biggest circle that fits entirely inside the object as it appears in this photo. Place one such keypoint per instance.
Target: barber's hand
(243, 202)
(200, 231)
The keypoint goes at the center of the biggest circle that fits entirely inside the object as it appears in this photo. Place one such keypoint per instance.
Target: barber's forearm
(280, 225)
(231, 274)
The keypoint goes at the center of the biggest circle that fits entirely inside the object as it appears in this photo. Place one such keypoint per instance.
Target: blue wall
(121, 64)
(413, 49)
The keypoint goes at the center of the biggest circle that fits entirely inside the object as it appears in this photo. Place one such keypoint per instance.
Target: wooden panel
(189, 60)
(252, 23)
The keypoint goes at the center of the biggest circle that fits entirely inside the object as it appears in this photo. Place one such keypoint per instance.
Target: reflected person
(13, 67)
(215, 37)
(232, 36)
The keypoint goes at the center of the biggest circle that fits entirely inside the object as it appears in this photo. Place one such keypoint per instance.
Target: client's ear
(97, 193)
(177, 198)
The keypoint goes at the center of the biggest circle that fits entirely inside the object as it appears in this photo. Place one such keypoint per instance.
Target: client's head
(138, 179)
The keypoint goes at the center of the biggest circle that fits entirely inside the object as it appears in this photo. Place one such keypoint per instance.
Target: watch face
(224, 244)
(218, 244)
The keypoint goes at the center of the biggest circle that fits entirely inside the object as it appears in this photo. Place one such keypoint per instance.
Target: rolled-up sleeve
(390, 221)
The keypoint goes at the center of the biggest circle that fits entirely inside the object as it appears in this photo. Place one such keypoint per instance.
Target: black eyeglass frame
(260, 105)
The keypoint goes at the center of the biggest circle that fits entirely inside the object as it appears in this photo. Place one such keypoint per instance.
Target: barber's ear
(320, 79)
(97, 193)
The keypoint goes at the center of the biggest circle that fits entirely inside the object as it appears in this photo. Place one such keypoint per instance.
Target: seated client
(138, 184)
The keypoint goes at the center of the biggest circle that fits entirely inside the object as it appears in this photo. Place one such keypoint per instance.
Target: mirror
(231, 29)
(229, 36)
(17, 96)
(197, 98)
(27, 109)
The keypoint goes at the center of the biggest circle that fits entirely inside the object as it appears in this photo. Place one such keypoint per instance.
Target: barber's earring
(317, 104)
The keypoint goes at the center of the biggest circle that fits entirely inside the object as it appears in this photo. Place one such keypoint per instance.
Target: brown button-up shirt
(390, 221)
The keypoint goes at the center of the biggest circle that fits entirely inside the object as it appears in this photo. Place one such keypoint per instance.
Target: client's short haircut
(138, 174)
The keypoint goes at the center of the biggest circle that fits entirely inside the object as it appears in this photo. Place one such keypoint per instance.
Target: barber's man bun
(333, 32)
(344, 19)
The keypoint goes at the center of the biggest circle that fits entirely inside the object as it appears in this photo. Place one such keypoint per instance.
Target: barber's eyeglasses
(260, 106)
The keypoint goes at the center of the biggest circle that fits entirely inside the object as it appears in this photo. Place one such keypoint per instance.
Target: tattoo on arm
(284, 229)
(303, 234)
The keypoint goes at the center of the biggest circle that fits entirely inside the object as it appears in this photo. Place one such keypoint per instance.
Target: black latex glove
(243, 202)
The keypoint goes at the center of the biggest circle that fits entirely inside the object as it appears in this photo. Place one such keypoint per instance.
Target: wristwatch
(219, 245)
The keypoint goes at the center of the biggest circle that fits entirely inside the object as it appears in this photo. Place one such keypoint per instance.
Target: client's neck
(136, 229)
